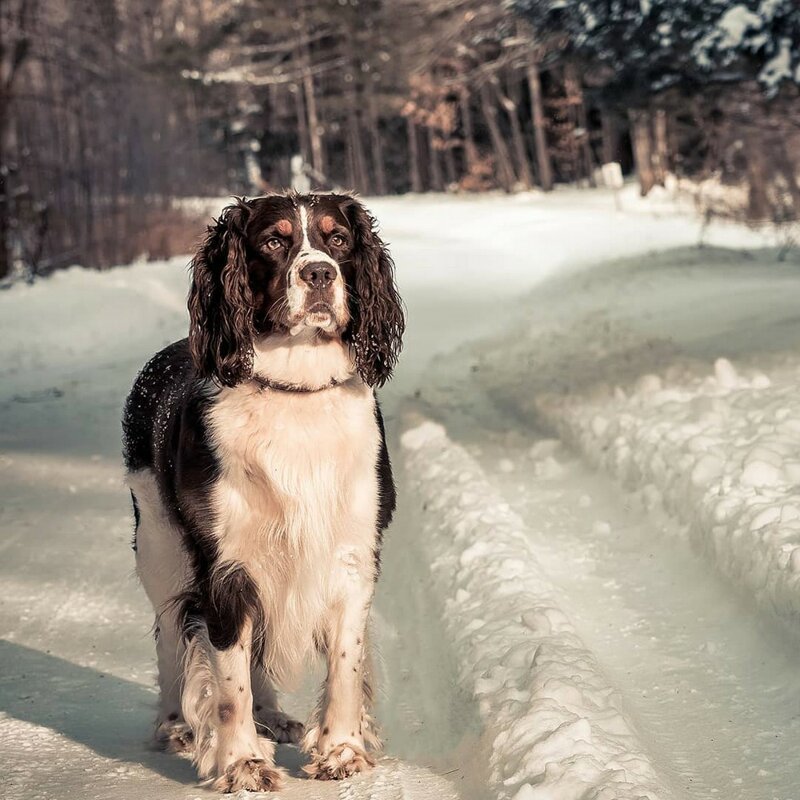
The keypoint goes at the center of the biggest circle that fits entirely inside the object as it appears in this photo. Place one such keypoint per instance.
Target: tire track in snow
(713, 690)
(554, 724)
(720, 453)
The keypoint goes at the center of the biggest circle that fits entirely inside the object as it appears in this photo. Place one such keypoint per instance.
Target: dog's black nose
(318, 275)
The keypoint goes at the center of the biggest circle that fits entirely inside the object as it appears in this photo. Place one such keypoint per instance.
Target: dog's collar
(294, 388)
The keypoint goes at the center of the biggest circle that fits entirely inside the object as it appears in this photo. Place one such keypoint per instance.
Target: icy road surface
(548, 632)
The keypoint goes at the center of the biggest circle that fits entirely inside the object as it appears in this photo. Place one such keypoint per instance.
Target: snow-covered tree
(758, 40)
(636, 48)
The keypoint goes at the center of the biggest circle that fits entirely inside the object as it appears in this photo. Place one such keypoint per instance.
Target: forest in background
(112, 110)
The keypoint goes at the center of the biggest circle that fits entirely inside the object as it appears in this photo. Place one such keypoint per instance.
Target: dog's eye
(273, 243)
(337, 240)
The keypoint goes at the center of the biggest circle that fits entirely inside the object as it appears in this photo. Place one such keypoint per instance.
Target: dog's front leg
(337, 740)
(218, 705)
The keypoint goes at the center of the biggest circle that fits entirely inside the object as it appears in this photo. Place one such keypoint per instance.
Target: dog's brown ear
(378, 319)
(221, 302)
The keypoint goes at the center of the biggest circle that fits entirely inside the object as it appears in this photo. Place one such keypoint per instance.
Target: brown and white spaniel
(261, 486)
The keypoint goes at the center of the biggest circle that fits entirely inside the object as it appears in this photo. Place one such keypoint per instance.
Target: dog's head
(287, 264)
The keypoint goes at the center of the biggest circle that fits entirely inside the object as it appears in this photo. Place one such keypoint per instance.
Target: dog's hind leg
(172, 733)
(270, 720)
(163, 570)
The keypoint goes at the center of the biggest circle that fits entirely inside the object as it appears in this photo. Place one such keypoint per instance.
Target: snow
(779, 67)
(555, 725)
(723, 452)
(740, 31)
(735, 23)
(565, 644)
(701, 675)
(715, 441)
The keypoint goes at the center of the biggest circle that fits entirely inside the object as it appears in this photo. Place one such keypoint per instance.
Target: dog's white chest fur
(297, 501)
(306, 451)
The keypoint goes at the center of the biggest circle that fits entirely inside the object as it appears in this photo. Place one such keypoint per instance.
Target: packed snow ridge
(553, 724)
(720, 451)
(718, 448)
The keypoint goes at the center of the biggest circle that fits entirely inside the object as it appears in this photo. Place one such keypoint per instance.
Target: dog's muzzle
(319, 293)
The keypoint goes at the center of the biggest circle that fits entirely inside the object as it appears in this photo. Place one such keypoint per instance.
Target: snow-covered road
(592, 586)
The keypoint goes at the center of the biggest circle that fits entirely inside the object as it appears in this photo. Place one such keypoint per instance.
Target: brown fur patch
(284, 227)
(326, 224)
(226, 711)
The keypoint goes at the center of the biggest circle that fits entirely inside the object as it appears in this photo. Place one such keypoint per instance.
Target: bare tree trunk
(574, 89)
(14, 52)
(350, 166)
(470, 150)
(450, 166)
(359, 158)
(84, 179)
(642, 149)
(517, 139)
(314, 128)
(5, 227)
(787, 162)
(661, 142)
(413, 156)
(540, 136)
(302, 121)
(505, 169)
(435, 170)
(355, 140)
(758, 199)
(610, 137)
(7, 154)
(378, 166)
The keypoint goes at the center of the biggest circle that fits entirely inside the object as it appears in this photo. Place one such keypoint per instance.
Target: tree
(648, 59)
(16, 20)
(644, 47)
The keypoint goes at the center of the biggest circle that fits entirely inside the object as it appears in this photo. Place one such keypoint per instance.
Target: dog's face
(301, 265)
(288, 263)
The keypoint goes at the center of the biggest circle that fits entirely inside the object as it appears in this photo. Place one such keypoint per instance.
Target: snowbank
(633, 365)
(556, 728)
(720, 451)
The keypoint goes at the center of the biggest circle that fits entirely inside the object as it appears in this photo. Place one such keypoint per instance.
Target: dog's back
(153, 404)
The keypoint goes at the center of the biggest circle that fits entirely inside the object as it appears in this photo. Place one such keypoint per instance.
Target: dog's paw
(342, 761)
(250, 774)
(174, 737)
(279, 727)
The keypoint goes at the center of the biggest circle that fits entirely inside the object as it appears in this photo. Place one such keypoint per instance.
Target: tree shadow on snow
(111, 716)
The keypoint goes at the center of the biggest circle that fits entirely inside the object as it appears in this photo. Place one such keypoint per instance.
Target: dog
(261, 486)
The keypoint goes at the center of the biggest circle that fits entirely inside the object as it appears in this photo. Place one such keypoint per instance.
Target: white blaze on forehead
(304, 229)
(307, 253)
